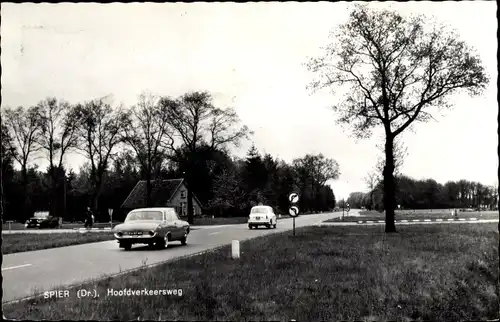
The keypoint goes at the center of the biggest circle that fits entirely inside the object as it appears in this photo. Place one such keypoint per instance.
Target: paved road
(47, 269)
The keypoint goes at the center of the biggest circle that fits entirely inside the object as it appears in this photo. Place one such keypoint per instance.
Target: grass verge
(375, 215)
(20, 226)
(19, 242)
(439, 273)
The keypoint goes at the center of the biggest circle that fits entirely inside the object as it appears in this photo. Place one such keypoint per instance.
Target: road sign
(293, 197)
(293, 211)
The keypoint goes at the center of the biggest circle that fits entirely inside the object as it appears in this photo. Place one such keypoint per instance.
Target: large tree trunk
(389, 185)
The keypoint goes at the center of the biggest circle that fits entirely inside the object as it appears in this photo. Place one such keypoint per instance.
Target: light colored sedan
(151, 226)
(262, 216)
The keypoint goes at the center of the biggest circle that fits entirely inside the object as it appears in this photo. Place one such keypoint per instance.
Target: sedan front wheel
(163, 243)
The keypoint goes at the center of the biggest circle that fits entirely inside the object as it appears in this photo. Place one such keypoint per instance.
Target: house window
(183, 194)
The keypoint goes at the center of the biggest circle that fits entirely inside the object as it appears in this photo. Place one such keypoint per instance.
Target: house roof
(161, 193)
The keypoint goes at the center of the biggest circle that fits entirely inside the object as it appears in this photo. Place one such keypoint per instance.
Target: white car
(262, 216)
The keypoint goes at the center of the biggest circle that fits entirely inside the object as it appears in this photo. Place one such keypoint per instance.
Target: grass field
(375, 215)
(18, 242)
(438, 272)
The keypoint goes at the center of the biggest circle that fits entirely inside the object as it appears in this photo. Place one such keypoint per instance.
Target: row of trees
(429, 194)
(160, 137)
(154, 130)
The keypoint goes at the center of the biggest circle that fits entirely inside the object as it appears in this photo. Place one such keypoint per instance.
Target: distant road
(45, 269)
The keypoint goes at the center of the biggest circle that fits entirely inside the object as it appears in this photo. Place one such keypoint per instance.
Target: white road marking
(473, 218)
(369, 222)
(439, 219)
(4, 269)
(380, 221)
(404, 220)
(461, 219)
(416, 220)
(451, 219)
(427, 220)
(214, 233)
(360, 222)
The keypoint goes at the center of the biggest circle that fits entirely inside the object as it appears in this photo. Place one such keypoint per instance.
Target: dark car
(42, 219)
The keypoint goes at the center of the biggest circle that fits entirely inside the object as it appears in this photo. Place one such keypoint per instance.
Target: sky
(251, 57)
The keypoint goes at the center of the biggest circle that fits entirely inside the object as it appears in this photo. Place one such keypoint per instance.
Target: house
(164, 193)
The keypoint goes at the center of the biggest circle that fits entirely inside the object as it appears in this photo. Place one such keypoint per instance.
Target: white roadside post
(110, 211)
(235, 249)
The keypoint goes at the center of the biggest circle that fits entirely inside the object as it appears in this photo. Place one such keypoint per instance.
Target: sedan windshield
(41, 215)
(260, 210)
(144, 215)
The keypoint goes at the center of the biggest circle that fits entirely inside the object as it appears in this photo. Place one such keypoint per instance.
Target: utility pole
(343, 207)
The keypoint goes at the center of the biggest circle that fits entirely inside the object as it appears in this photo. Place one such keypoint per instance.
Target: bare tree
(146, 132)
(395, 71)
(59, 134)
(24, 127)
(197, 122)
(99, 132)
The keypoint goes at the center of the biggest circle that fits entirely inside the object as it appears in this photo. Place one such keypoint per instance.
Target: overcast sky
(250, 56)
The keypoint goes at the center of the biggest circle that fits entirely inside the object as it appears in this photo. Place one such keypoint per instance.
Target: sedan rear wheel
(127, 246)
(184, 239)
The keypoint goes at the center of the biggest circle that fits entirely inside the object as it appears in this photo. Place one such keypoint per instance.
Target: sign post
(294, 210)
(110, 211)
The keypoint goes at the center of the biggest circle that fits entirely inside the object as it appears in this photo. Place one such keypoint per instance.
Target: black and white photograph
(259, 161)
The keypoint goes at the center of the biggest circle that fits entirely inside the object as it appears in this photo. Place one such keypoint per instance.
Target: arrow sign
(293, 211)
(110, 211)
(293, 197)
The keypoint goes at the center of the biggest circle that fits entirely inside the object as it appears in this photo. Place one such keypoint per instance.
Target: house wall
(179, 201)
